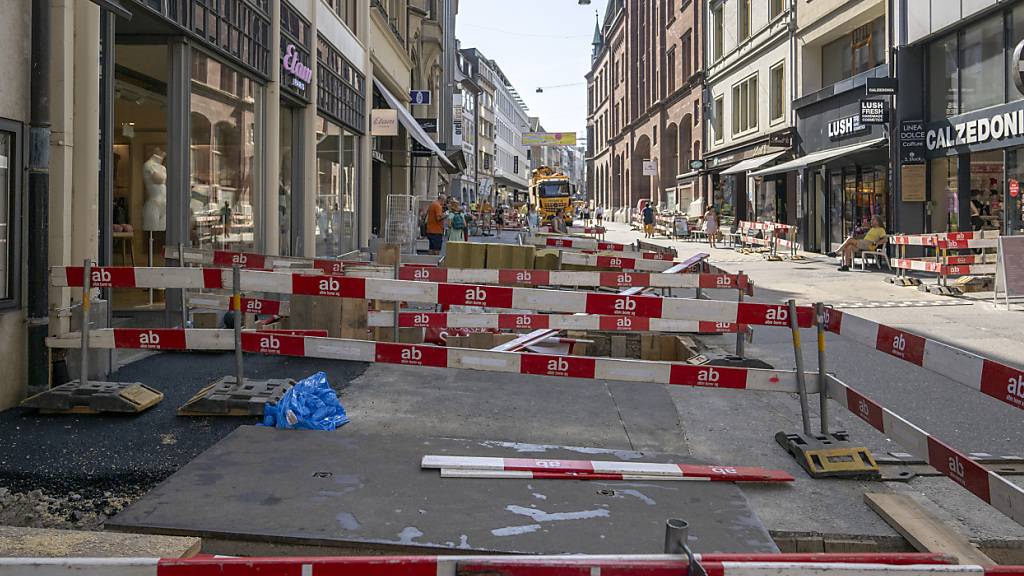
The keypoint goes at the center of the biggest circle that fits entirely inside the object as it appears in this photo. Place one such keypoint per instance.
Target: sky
(537, 43)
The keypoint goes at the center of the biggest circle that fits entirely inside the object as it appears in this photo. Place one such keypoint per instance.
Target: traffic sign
(419, 97)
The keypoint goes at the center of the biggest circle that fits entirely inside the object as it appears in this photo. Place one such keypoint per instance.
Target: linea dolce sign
(991, 127)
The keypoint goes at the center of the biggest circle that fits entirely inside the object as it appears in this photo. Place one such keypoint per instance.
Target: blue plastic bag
(309, 405)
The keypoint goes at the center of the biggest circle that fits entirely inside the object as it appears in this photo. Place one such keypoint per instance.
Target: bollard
(801, 379)
(740, 344)
(83, 378)
(819, 309)
(676, 534)
(236, 305)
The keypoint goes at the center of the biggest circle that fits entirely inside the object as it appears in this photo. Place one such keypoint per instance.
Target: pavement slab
(360, 493)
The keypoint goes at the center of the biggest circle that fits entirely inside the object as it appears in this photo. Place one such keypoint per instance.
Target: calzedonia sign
(977, 130)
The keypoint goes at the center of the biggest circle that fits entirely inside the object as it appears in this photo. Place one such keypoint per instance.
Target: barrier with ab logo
(460, 294)
(150, 339)
(625, 279)
(900, 344)
(423, 274)
(523, 321)
(328, 286)
(612, 305)
(1003, 382)
(625, 323)
(544, 365)
(273, 344)
(102, 277)
(411, 355)
(244, 260)
(960, 469)
(708, 376)
(525, 277)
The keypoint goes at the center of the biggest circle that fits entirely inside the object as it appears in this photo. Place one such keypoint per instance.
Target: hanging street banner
(549, 139)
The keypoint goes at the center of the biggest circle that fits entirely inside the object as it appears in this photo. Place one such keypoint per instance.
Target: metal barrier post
(184, 303)
(740, 342)
(397, 304)
(801, 379)
(236, 305)
(676, 534)
(83, 378)
(819, 310)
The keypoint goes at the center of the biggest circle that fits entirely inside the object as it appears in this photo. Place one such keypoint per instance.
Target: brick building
(644, 93)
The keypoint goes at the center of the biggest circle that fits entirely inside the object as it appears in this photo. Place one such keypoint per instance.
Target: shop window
(853, 53)
(346, 10)
(775, 7)
(981, 59)
(224, 197)
(777, 92)
(9, 179)
(943, 79)
(944, 194)
(744, 106)
(336, 204)
(1016, 36)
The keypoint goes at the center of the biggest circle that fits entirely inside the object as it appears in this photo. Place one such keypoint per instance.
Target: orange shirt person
(435, 224)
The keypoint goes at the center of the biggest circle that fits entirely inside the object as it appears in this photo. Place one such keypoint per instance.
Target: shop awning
(752, 163)
(689, 175)
(414, 128)
(820, 157)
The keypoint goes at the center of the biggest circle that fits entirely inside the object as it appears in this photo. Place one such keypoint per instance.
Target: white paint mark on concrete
(515, 530)
(542, 516)
(539, 496)
(408, 534)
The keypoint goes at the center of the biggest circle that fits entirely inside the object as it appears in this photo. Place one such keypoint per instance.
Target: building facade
(841, 168)
(644, 105)
(511, 167)
(966, 119)
(465, 116)
(486, 131)
(748, 90)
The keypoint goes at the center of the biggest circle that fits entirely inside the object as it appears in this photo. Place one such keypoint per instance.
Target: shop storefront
(842, 172)
(296, 81)
(188, 119)
(971, 120)
(738, 195)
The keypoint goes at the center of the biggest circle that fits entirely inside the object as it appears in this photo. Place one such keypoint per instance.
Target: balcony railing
(392, 21)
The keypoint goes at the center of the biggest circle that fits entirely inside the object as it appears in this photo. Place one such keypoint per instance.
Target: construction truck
(551, 191)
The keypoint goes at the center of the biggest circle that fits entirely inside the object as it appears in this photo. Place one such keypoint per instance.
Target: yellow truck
(549, 191)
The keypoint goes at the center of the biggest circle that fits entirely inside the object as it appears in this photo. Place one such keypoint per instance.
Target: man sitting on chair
(874, 236)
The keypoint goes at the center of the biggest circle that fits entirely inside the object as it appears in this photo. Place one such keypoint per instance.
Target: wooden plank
(49, 543)
(924, 532)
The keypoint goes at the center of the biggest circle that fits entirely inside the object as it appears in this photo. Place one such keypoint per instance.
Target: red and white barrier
(590, 244)
(575, 565)
(1003, 495)
(950, 241)
(249, 305)
(1002, 382)
(943, 269)
(386, 318)
(608, 468)
(617, 262)
(460, 358)
(559, 301)
(565, 278)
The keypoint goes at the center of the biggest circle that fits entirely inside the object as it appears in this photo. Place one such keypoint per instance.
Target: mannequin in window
(154, 177)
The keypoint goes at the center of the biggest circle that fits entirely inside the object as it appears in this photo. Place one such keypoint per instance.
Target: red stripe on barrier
(423, 273)
(470, 295)
(545, 365)
(615, 262)
(288, 332)
(563, 466)
(150, 339)
(293, 566)
(1003, 382)
(423, 320)
(261, 306)
(411, 355)
(616, 305)
(213, 279)
(959, 468)
(330, 267)
(718, 327)
(903, 345)
(101, 277)
(523, 321)
(658, 256)
(774, 315)
(833, 320)
(273, 344)
(865, 408)
(611, 246)
(625, 279)
(336, 286)
(708, 376)
(243, 259)
(719, 281)
(624, 323)
(525, 277)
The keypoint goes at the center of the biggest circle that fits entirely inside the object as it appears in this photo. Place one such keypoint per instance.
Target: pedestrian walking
(711, 226)
(458, 224)
(532, 219)
(600, 215)
(435, 224)
(648, 214)
(586, 215)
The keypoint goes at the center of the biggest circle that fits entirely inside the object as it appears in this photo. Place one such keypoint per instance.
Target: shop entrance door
(1013, 199)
